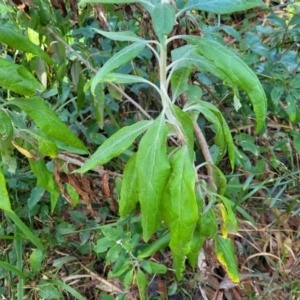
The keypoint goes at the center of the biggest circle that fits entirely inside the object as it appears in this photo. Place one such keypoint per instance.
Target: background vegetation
(61, 233)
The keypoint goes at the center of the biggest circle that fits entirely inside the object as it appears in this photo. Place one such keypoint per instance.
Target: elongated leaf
(120, 35)
(146, 3)
(230, 224)
(198, 239)
(129, 190)
(35, 260)
(45, 180)
(120, 58)
(47, 147)
(163, 19)
(195, 245)
(126, 78)
(187, 56)
(98, 103)
(180, 211)
(223, 135)
(4, 198)
(179, 80)
(219, 138)
(159, 244)
(26, 231)
(115, 145)
(226, 256)
(142, 281)
(222, 6)
(6, 128)
(67, 288)
(18, 79)
(47, 120)
(239, 73)
(208, 226)
(7, 266)
(153, 169)
(187, 128)
(17, 41)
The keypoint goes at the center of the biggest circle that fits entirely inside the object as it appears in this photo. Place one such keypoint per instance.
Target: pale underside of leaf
(120, 36)
(222, 6)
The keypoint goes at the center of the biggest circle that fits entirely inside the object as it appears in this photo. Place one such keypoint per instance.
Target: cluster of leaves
(46, 66)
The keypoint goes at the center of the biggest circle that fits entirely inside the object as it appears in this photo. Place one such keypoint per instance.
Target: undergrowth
(61, 234)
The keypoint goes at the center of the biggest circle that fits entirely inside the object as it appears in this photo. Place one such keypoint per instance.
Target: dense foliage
(134, 128)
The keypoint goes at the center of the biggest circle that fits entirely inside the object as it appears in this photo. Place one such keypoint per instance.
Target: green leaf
(98, 103)
(153, 169)
(103, 244)
(18, 79)
(230, 224)
(296, 140)
(111, 233)
(207, 224)
(67, 288)
(26, 231)
(158, 268)
(128, 278)
(198, 239)
(46, 290)
(35, 260)
(219, 138)
(17, 41)
(120, 35)
(4, 198)
(226, 256)
(6, 128)
(45, 180)
(129, 189)
(115, 145)
(238, 72)
(180, 211)
(221, 6)
(195, 244)
(159, 244)
(48, 121)
(47, 147)
(187, 128)
(11, 268)
(163, 19)
(179, 80)
(142, 281)
(120, 58)
(126, 78)
(146, 3)
(223, 137)
(188, 56)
